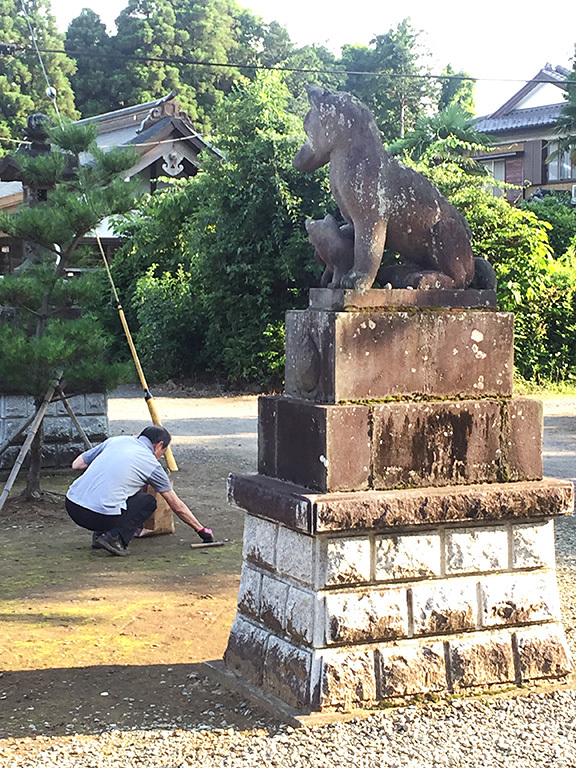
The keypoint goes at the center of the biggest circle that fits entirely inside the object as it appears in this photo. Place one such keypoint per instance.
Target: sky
(503, 44)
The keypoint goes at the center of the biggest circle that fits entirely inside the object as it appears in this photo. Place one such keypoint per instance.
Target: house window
(497, 169)
(558, 166)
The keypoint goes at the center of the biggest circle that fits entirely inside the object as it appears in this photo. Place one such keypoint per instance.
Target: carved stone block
(481, 660)
(449, 606)
(332, 357)
(366, 616)
(410, 670)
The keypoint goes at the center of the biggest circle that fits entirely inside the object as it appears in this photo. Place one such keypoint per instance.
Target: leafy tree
(557, 210)
(22, 81)
(87, 35)
(41, 341)
(566, 123)
(239, 236)
(540, 291)
(399, 90)
(455, 89)
(447, 134)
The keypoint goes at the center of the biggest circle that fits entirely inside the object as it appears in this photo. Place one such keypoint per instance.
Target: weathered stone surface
(371, 355)
(95, 403)
(361, 617)
(321, 447)
(273, 604)
(250, 591)
(260, 541)
(16, 406)
(345, 561)
(267, 435)
(533, 545)
(96, 427)
(272, 499)
(57, 429)
(245, 650)
(300, 612)
(470, 550)
(481, 660)
(348, 679)
(295, 555)
(407, 556)
(523, 430)
(381, 510)
(521, 598)
(447, 606)
(341, 300)
(432, 444)
(287, 672)
(409, 670)
(543, 652)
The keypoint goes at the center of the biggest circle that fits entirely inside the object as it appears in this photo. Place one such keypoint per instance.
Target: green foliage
(557, 210)
(457, 90)
(167, 332)
(41, 340)
(237, 230)
(22, 82)
(446, 135)
(395, 96)
(539, 290)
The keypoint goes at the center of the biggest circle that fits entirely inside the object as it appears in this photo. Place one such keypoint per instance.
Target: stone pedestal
(399, 536)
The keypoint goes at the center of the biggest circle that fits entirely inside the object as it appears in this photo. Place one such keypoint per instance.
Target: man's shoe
(112, 544)
(95, 536)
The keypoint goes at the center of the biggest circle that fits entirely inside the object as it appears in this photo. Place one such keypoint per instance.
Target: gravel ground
(526, 730)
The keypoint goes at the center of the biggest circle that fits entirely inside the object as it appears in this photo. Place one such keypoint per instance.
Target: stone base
(348, 678)
(344, 610)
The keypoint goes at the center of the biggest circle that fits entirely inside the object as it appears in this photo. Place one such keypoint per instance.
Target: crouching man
(106, 498)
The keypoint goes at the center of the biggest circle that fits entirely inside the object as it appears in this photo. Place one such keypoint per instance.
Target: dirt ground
(89, 641)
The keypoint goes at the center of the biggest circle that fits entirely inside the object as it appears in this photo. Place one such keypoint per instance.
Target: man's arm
(79, 463)
(179, 508)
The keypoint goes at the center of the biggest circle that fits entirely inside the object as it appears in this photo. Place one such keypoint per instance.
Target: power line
(282, 68)
(50, 91)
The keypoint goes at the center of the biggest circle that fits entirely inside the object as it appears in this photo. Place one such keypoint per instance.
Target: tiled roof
(532, 117)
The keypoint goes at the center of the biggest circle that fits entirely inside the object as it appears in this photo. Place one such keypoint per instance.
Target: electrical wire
(304, 70)
(50, 90)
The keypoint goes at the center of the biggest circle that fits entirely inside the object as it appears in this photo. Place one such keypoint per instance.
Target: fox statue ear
(315, 94)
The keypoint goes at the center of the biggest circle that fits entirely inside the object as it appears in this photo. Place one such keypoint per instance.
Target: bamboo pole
(154, 415)
(38, 418)
(7, 443)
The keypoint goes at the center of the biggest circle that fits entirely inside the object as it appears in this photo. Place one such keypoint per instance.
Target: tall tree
(456, 88)
(89, 44)
(398, 89)
(22, 81)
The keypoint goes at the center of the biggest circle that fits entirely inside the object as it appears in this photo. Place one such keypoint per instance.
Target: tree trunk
(33, 478)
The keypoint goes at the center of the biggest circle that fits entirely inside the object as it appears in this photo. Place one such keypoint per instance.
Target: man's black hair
(156, 435)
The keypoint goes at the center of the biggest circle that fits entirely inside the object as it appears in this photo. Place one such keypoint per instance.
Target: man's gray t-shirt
(117, 469)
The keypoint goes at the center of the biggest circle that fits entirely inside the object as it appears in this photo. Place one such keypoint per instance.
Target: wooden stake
(38, 419)
(70, 412)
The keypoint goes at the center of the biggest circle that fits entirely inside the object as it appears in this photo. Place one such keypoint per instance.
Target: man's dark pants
(138, 509)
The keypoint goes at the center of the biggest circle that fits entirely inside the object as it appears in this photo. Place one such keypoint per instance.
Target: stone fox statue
(387, 204)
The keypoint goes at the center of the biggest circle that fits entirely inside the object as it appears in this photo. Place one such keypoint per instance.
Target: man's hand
(206, 535)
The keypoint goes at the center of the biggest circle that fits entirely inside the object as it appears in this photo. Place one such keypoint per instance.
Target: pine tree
(40, 342)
